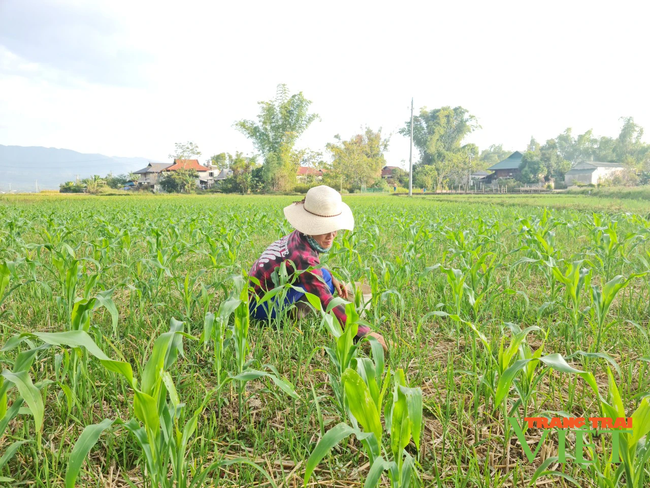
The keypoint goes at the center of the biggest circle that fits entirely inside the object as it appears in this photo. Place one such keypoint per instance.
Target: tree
(576, 149)
(94, 184)
(630, 148)
(134, 177)
(189, 150)
(425, 176)
(242, 172)
(116, 182)
(492, 155)
(532, 168)
(71, 187)
(280, 123)
(358, 162)
(554, 164)
(182, 180)
(221, 161)
(438, 135)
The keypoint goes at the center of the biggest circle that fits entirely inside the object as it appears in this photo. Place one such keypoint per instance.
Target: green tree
(630, 148)
(221, 161)
(576, 149)
(357, 162)
(492, 155)
(116, 181)
(94, 184)
(553, 161)
(179, 181)
(187, 150)
(242, 172)
(280, 123)
(532, 168)
(425, 176)
(438, 135)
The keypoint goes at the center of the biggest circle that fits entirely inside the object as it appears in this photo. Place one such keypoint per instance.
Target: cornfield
(129, 359)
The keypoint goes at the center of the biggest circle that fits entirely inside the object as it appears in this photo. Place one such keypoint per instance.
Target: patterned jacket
(295, 248)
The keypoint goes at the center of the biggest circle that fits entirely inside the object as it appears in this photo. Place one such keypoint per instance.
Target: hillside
(21, 168)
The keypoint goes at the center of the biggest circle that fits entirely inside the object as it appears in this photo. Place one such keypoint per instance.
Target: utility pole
(411, 155)
(37, 191)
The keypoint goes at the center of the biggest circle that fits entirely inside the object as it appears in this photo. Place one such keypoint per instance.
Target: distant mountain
(21, 168)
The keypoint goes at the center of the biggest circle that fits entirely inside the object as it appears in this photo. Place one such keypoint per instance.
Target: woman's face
(325, 240)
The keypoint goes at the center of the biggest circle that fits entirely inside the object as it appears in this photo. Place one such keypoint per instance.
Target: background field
(504, 248)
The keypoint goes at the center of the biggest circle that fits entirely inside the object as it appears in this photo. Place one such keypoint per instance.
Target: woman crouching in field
(316, 219)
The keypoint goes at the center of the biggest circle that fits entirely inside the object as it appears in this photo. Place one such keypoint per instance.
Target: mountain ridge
(24, 168)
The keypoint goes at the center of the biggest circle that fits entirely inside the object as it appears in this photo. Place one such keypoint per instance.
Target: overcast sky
(130, 78)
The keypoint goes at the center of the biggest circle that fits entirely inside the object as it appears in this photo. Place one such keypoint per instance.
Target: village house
(306, 173)
(387, 171)
(205, 174)
(591, 172)
(508, 168)
(151, 175)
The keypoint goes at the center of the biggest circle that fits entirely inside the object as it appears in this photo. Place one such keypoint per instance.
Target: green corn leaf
(84, 444)
(640, 422)
(5, 274)
(208, 325)
(10, 414)
(325, 445)
(374, 474)
(557, 362)
(29, 393)
(400, 430)
(80, 338)
(10, 452)
(505, 381)
(105, 300)
(414, 407)
(408, 469)
(253, 374)
(615, 396)
(156, 362)
(171, 388)
(145, 408)
(361, 403)
(600, 355)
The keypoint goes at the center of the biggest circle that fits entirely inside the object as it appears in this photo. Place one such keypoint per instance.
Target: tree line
(444, 159)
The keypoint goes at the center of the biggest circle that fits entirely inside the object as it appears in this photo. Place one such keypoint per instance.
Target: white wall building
(591, 172)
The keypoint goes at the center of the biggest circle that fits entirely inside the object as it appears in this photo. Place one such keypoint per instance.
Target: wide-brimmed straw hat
(320, 212)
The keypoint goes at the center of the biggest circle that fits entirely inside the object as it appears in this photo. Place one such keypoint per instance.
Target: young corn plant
(159, 424)
(634, 446)
(238, 306)
(601, 301)
(28, 394)
(403, 419)
(575, 279)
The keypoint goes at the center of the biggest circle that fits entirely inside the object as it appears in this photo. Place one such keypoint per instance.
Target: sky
(130, 78)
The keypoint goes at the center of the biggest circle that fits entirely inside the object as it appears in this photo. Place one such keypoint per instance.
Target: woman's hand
(380, 339)
(340, 289)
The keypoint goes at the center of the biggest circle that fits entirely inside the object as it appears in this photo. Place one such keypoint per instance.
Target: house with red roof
(305, 173)
(205, 174)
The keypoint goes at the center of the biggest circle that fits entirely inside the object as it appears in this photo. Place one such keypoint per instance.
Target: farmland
(129, 314)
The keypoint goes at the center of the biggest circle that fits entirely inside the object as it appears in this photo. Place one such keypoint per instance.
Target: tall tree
(630, 148)
(280, 123)
(438, 135)
(242, 171)
(221, 161)
(357, 162)
(187, 150)
(493, 154)
(576, 149)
